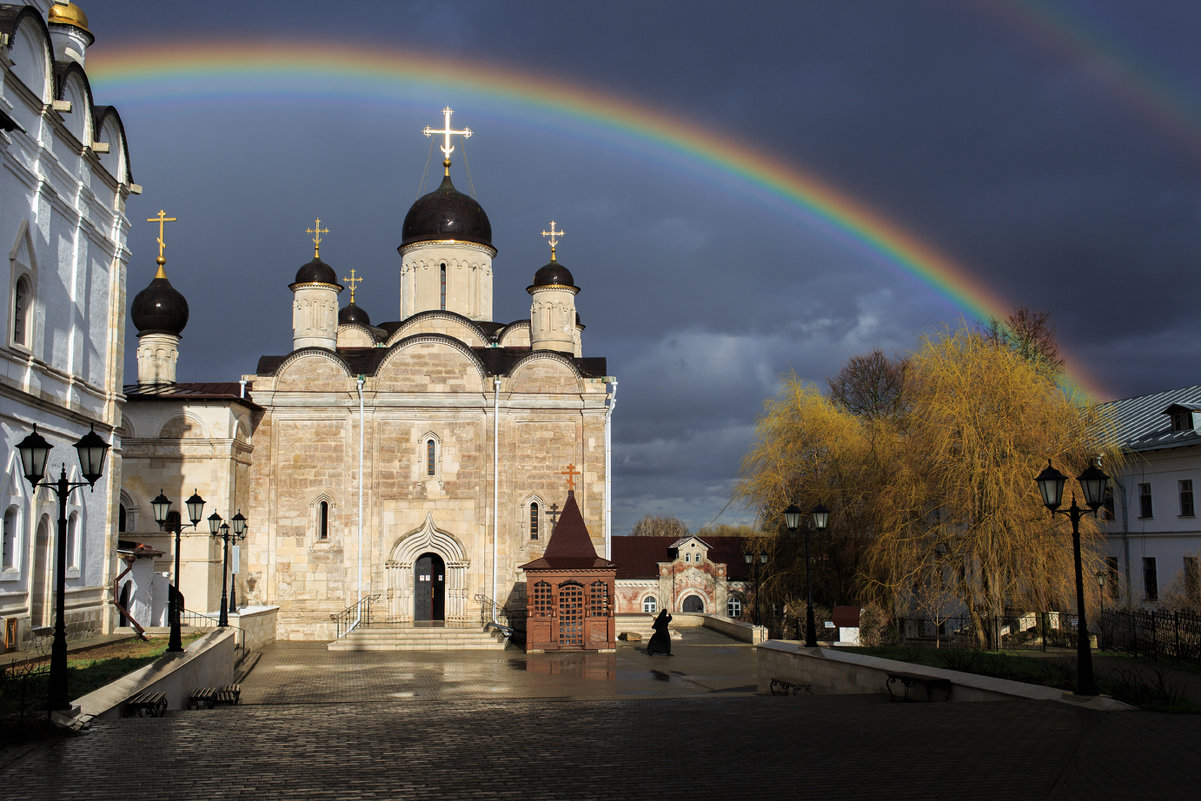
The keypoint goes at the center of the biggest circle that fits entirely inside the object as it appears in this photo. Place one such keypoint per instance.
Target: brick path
(503, 725)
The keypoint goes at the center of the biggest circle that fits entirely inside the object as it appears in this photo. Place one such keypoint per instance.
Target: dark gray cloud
(1054, 150)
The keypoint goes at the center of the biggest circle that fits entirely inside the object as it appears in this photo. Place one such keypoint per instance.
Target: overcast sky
(1052, 148)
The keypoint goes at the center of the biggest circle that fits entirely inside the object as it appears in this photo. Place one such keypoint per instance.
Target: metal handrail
(490, 621)
(199, 620)
(353, 616)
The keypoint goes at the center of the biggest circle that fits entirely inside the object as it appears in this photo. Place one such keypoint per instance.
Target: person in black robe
(660, 642)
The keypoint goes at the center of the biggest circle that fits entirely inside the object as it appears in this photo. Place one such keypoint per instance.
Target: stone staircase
(419, 638)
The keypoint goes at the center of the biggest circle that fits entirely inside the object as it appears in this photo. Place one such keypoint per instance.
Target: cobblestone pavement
(503, 725)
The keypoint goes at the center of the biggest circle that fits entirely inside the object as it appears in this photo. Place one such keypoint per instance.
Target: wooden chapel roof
(570, 546)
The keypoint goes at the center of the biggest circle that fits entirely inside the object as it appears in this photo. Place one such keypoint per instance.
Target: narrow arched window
(534, 520)
(122, 519)
(9, 559)
(21, 297)
(431, 457)
(323, 520)
(73, 540)
(443, 271)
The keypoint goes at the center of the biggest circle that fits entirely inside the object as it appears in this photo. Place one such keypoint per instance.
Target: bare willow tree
(870, 386)
(1031, 335)
(940, 496)
(982, 423)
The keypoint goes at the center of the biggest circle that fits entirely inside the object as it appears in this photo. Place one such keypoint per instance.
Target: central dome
(446, 213)
(159, 309)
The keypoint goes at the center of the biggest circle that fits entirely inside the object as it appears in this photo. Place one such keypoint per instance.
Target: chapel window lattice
(541, 601)
(598, 599)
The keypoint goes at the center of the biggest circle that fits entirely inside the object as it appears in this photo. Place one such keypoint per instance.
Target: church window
(734, 606)
(122, 520)
(21, 298)
(9, 559)
(443, 291)
(650, 604)
(73, 541)
(534, 520)
(323, 520)
(598, 599)
(431, 457)
(541, 599)
(693, 604)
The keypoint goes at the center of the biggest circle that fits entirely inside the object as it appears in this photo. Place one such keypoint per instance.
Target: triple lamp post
(792, 520)
(35, 451)
(1093, 483)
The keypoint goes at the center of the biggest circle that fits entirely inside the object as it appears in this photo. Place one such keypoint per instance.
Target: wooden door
(571, 616)
(429, 588)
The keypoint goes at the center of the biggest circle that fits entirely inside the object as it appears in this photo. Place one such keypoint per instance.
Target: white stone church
(417, 462)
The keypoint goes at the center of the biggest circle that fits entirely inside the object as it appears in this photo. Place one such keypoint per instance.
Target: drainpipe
(610, 402)
(359, 381)
(1126, 541)
(495, 485)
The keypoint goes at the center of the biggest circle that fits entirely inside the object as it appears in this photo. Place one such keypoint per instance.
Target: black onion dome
(316, 272)
(553, 274)
(353, 313)
(446, 213)
(159, 309)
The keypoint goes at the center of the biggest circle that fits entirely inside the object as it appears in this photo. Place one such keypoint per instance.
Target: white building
(64, 180)
(1154, 539)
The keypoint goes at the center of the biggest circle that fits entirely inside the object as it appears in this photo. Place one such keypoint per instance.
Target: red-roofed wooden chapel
(570, 591)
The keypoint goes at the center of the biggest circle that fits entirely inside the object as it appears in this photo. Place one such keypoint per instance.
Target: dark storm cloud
(1024, 152)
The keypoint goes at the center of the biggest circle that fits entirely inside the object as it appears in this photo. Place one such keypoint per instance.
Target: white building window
(8, 561)
(734, 606)
(650, 605)
(1186, 498)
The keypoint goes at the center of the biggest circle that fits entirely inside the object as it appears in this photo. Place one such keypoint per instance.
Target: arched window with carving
(431, 457)
(533, 520)
(323, 520)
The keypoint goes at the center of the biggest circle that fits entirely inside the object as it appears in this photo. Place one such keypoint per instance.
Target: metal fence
(1160, 635)
(1014, 631)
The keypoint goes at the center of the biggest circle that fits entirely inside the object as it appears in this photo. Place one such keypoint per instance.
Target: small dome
(69, 14)
(446, 213)
(316, 272)
(553, 274)
(159, 309)
(353, 313)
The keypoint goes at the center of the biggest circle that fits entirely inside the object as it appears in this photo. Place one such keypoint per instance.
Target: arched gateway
(427, 577)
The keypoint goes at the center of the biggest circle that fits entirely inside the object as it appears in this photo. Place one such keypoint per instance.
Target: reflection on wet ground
(292, 672)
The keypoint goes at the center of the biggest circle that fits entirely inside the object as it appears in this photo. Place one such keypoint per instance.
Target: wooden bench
(229, 694)
(783, 687)
(146, 704)
(202, 697)
(910, 680)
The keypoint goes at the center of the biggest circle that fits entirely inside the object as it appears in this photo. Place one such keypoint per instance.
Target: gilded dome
(68, 14)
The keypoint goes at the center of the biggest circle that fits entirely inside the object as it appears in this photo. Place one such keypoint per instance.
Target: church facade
(412, 462)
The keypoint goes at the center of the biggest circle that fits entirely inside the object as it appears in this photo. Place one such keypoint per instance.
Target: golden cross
(162, 219)
(317, 232)
(553, 236)
(352, 281)
(447, 132)
(571, 473)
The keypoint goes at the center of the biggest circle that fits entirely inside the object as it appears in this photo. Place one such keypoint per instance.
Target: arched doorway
(429, 588)
(404, 594)
(693, 604)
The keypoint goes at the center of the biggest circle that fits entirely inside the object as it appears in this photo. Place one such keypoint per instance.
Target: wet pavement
(317, 724)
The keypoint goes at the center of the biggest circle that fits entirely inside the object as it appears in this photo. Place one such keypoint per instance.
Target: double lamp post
(792, 520)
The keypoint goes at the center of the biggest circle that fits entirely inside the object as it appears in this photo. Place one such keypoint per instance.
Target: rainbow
(164, 73)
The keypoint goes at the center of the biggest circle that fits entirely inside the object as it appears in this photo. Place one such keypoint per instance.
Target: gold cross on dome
(571, 473)
(447, 132)
(162, 219)
(553, 236)
(317, 231)
(352, 281)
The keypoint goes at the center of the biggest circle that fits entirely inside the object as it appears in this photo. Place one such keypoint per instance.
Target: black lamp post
(1093, 483)
(220, 529)
(792, 519)
(755, 559)
(35, 452)
(162, 516)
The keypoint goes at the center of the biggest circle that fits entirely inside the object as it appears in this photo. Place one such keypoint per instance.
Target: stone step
(404, 638)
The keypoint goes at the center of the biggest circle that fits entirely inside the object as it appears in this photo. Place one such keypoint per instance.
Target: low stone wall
(259, 623)
(834, 672)
(207, 662)
(736, 629)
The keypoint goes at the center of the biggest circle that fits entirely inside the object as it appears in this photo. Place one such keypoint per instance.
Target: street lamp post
(755, 559)
(792, 519)
(162, 516)
(1093, 483)
(35, 451)
(220, 529)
